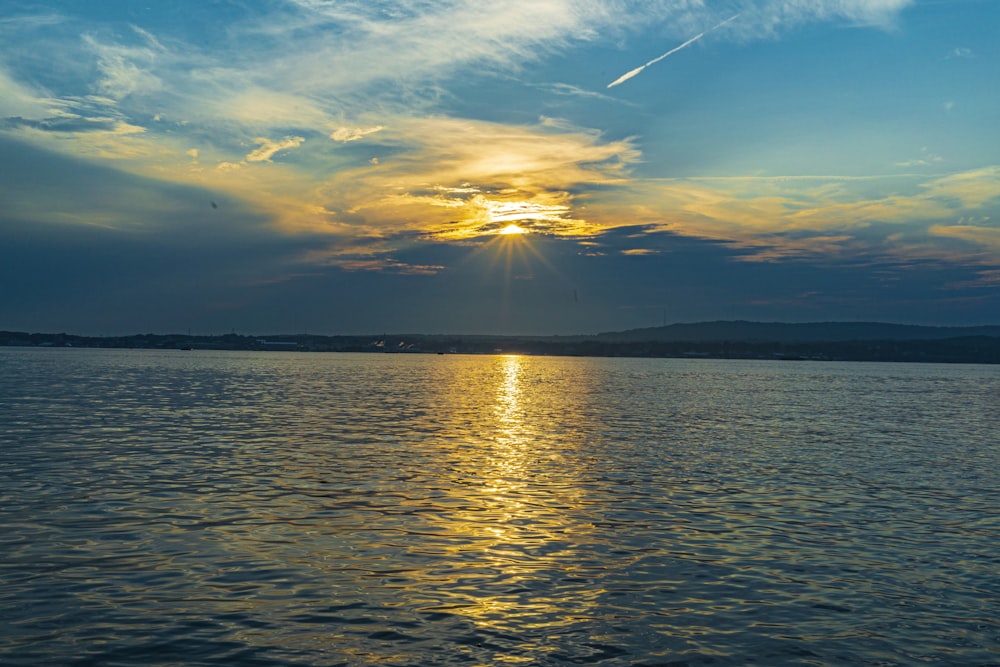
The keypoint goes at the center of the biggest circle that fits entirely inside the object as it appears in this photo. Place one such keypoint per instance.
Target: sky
(512, 167)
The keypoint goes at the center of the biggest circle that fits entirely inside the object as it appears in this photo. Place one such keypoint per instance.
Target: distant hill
(824, 341)
(778, 332)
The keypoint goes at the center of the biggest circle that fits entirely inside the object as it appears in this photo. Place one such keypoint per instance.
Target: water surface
(224, 508)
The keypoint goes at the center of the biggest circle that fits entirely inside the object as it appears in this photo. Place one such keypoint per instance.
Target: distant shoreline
(979, 349)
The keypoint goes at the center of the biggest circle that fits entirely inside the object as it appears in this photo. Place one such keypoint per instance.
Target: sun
(513, 229)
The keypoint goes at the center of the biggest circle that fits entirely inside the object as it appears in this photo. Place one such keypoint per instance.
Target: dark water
(224, 508)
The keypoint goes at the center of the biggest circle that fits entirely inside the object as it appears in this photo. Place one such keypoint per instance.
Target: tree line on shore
(952, 349)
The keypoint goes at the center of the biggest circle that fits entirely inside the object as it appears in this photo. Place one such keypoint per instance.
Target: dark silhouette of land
(778, 332)
(823, 341)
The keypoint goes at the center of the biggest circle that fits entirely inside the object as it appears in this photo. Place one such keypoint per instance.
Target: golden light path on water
(515, 527)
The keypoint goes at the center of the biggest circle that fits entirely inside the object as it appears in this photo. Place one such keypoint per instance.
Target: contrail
(628, 75)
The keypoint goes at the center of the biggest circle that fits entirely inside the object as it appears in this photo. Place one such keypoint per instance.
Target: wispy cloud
(348, 134)
(569, 90)
(765, 18)
(926, 159)
(779, 218)
(385, 264)
(976, 234)
(21, 101)
(268, 148)
(960, 52)
(29, 21)
(411, 39)
(126, 69)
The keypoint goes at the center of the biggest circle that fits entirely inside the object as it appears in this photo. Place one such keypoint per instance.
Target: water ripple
(290, 509)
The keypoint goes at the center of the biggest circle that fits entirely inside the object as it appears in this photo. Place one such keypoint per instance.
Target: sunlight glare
(513, 229)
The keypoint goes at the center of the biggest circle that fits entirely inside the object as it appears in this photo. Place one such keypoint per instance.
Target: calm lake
(250, 508)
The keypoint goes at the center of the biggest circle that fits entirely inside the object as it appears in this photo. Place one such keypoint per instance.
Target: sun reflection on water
(509, 411)
(513, 533)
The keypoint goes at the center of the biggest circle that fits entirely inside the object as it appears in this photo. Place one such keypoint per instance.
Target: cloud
(413, 40)
(569, 90)
(268, 148)
(366, 254)
(970, 190)
(21, 101)
(50, 189)
(765, 18)
(241, 105)
(125, 69)
(774, 217)
(926, 159)
(387, 265)
(97, 138)
(988, 237)
(348, 134)
(454, 179)
(30, 21)
(920, 162)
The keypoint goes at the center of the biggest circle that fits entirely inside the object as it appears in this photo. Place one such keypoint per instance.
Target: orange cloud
(789, 217)
(453, 179)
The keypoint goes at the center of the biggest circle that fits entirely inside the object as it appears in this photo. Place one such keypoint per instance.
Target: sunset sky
(330, 166)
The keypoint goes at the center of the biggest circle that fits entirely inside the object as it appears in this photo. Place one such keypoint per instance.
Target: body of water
(231, 508)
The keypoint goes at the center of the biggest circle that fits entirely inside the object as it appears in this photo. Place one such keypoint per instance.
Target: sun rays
(513, 255)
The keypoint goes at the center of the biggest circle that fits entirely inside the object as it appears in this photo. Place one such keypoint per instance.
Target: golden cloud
(971, 189)
(780, 217)
(984, 236)
(348, 134)
(454, 179)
